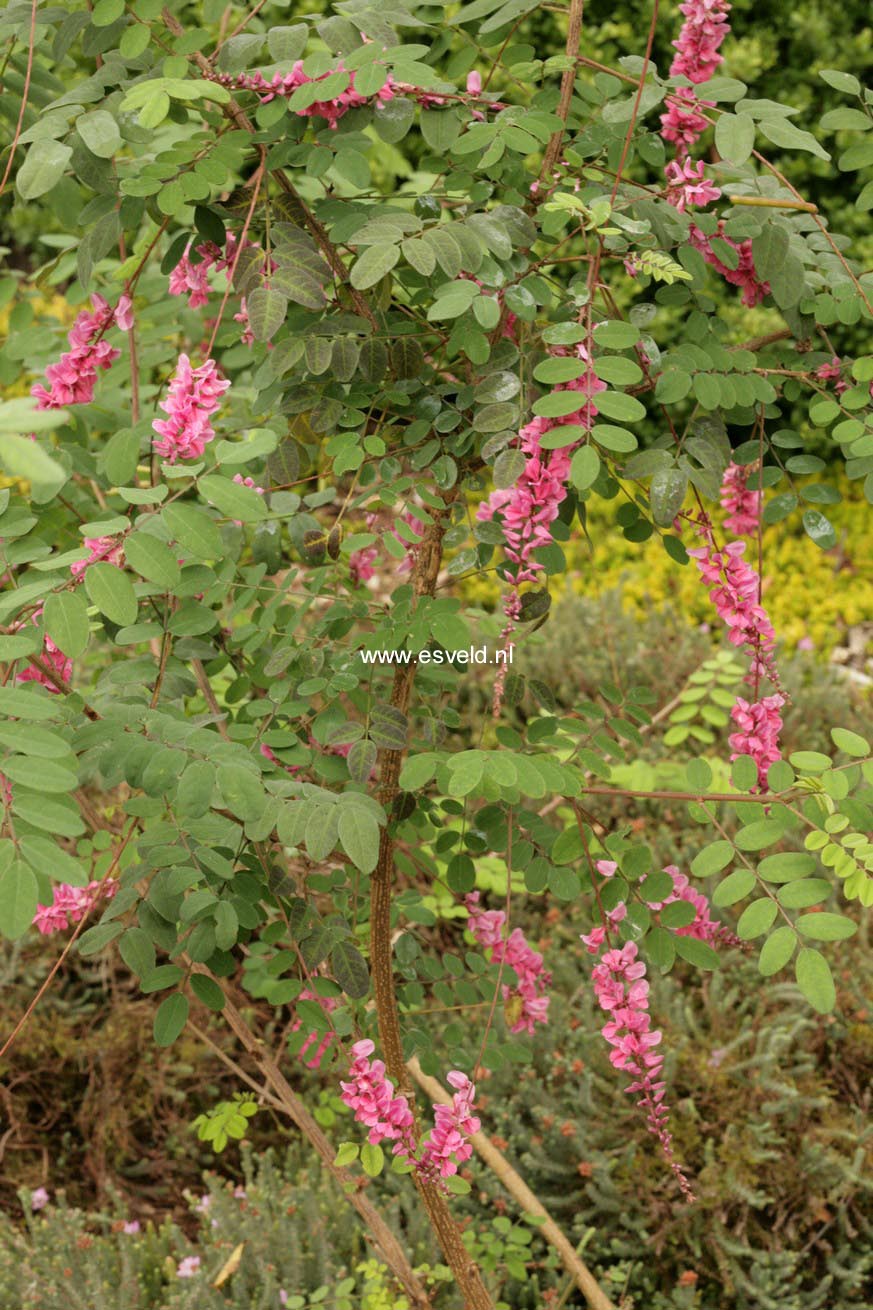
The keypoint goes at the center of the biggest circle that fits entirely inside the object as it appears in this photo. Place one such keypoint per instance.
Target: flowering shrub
(533, 320)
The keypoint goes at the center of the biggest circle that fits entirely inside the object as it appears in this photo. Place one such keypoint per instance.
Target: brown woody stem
(467, 1277)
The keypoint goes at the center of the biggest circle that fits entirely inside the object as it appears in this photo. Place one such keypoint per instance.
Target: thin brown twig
(31, 50)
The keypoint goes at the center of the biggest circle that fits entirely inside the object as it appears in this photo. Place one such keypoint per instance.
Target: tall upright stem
(469, 1280)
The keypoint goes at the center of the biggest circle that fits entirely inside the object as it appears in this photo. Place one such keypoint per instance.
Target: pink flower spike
(73, 378)
(194, 395)
(743, 506)
(623, 993)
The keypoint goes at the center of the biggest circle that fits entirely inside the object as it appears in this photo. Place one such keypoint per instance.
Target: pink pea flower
(622, 992)
(527, 964)
(474, 83)
(73, 378)
(758, 727)
(448, 1145)
(194, 396)
(742, 504)
(688, 185)
(744, 275)
(317, 1044)
(285, 84)
(370, 1095)
(735, 595)
(70, 904)
(704, 29)
(102, 548)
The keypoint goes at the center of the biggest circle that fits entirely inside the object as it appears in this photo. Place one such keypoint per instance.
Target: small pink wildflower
(744, 275)
(131, 1227)
(474, 83)
(188, 1267)
(51, 655)
(39, 1199)
(317, 1044)
(194, 396)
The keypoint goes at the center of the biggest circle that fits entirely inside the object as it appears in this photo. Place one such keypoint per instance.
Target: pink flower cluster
(687, 184)
(735, 595)
(683, 124)
(703, 31)
(107, 549)
(623, 994)
(70, 904)
(527, 964)
(370, 1095)
(530, 507)
(194, 396)
(53, 657)
(320, 1041)
(758, 727)
(744, 275)
(192, 280)
(285, 84)
(697, 58)
(448, 1145)
(73, 378)
(742, 504)
(833, 372)
(703, 926)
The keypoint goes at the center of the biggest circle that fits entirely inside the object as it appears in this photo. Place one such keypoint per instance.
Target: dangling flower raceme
(743, 505)
(105, 549)
(528, 509)
(70, 904)
(194, 396)
(73, 378)
(688, 184)
(448, 1145)
(622, 992)
(285, 84)
(370, 1095)
(527, 964)
(735, 596)
(697, 46)
(758, 727)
